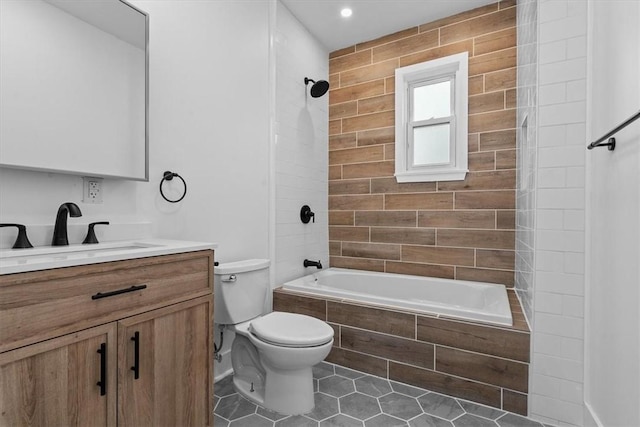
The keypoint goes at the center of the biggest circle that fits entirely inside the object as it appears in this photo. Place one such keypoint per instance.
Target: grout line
(435, 349)
(453, 376)
(461, 415)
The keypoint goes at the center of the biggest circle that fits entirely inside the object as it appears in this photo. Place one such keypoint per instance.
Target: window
(431, 120)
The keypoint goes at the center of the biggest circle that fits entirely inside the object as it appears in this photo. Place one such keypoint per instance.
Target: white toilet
(272, 354)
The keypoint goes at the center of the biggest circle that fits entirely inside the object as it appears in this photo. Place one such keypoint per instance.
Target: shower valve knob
(306, 215)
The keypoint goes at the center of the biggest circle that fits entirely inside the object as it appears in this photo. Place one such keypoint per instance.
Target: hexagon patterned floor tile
(326, 406)
(336, 386)
(359, 406)
(400, 406)
(441, 406)
(373, 386)
(235, 406)
(348, 398)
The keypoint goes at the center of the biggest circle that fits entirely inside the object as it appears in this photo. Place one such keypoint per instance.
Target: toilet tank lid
(241, 266)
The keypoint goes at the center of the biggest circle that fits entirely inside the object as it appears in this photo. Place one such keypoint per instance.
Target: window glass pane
(431, 145)
(432, 101)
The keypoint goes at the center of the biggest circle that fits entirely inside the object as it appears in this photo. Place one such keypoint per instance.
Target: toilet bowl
(278, 375)
(272, 354)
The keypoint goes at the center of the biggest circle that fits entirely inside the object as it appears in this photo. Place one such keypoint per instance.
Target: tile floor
(346, 398)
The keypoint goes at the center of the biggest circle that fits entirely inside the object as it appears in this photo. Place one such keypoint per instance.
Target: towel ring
(168, 176)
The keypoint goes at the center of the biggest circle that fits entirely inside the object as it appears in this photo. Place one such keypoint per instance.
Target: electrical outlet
(92, 190)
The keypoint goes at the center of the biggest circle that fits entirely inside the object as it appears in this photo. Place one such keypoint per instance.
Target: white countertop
(47, 257)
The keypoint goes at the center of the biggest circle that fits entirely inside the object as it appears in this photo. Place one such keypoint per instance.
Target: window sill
(432, 176)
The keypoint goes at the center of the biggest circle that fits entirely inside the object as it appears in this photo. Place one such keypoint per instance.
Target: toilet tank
(240, 290)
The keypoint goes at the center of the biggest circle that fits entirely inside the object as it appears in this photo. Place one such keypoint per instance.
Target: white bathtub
(477, 301)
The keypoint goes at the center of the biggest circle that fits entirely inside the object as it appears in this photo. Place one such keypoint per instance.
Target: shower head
(318, 88)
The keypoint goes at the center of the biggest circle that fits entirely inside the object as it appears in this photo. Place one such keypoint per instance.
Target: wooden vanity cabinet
(137, 360)
(54, 382)
(163, 365)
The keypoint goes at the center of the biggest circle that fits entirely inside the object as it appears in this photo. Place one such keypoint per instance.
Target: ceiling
(371, 18)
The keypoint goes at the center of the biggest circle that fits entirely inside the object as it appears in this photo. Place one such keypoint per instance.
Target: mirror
(74, 87)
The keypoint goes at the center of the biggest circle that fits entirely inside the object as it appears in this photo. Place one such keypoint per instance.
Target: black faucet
(22, 241)
(60, 229)
(91, 234)
(308, 263)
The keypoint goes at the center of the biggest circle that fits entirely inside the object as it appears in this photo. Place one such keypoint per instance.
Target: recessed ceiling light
(346, 12)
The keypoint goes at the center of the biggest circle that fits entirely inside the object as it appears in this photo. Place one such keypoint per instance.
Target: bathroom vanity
(127, 341)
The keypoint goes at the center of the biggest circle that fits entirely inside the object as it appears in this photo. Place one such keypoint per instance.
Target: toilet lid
(289, 329)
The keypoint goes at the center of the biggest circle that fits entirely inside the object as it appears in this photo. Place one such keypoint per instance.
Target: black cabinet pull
(136, 355)
(118, 292)
(103, 369)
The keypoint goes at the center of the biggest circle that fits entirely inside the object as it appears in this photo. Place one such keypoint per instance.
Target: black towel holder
(168, 176)
(611, 142)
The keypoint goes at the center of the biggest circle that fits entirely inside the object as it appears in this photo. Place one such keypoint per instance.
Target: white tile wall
(557, 306)
(553, 93)
(562, 283)
(560, 156)
(563, 28)
(301, 147)
(562, 71)
(547, 302)
(552, 10)
(527, 142)
(552, 178)
(549, 219)
(550, 136)
(573, 112)
(561, 198)
(554, 51)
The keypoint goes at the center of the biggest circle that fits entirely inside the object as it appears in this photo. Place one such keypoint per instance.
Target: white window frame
(456, 69)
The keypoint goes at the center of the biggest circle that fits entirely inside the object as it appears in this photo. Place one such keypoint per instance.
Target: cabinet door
(66, 381)
(164, 366)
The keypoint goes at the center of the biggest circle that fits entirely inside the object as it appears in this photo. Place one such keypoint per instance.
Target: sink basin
(62, 252)
(47, 257)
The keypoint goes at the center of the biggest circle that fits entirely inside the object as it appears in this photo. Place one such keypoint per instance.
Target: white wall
(557, 364)
(585, 205)
(32, 198)
(208, 122)
(298, 154)
(211, 102)
(301, 149)
(527, 143)
(551, 210)
(612, 357)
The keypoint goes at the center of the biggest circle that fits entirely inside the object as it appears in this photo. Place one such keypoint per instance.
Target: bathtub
(476, 301)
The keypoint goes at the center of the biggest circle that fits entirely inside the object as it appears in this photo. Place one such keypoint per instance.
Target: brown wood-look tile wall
(458, 230)
(483, 363)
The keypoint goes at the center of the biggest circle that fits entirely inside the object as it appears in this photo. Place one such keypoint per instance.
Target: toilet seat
(291, 330)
